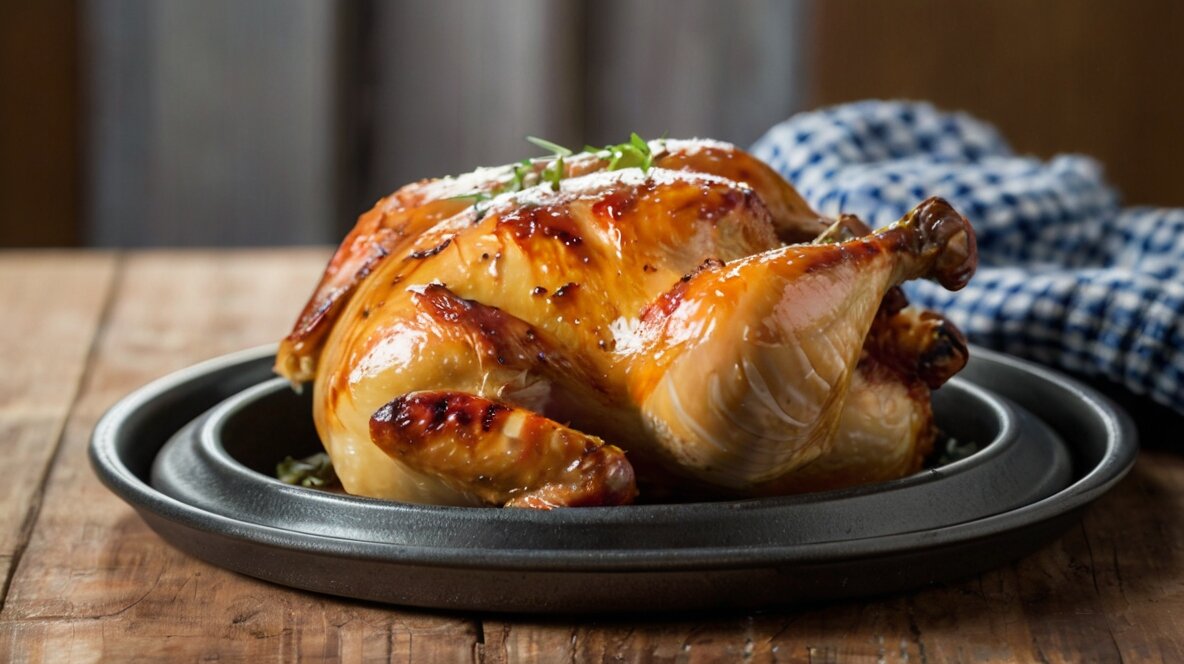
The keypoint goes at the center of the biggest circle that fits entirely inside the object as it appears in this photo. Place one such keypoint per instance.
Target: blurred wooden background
(182, 122)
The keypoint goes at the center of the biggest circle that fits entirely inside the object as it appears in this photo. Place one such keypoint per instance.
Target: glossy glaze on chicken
(691, 328)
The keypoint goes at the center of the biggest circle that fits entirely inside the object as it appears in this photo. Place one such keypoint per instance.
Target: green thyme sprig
(475, 197)
(550, 146)
(522, 170)
(554, 172)
(635, 153)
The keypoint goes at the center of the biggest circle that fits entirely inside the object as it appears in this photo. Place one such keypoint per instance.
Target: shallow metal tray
(228, 423)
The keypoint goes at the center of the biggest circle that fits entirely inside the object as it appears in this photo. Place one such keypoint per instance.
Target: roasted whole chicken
(573, 330)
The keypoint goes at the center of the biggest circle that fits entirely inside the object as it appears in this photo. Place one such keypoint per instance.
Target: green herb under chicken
(315, 471)
(951, 450)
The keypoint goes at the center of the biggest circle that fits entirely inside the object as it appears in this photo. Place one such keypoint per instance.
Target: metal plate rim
(1117, 460)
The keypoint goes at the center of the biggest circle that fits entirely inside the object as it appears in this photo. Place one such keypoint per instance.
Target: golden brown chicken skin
(400, 219)
(507, 353)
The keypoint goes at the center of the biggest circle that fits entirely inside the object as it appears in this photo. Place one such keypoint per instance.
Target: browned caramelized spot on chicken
(918, 342)
(506, 340)
(667, 302)
(793, 219)
(614, 205)
(501, 337)
(428, 253)
(501, 454)
(541, 221)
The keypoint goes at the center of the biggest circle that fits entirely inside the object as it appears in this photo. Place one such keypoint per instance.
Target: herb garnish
(635, 153)
(550, 146)
(476, 197)
(518, 183)
(554, 173)
(954, 450)
(315, 471)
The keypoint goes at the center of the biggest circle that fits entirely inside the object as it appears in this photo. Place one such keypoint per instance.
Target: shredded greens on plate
(953, 450)
(315, 471)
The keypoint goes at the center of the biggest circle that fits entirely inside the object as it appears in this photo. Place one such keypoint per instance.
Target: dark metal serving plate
(226, 423)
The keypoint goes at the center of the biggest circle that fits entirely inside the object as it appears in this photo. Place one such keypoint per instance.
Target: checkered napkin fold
(1066, 276)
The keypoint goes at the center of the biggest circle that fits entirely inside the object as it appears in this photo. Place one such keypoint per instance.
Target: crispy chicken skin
(397, 221)
(559, 345)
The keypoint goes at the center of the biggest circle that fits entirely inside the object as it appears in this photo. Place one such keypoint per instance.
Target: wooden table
(86, 580)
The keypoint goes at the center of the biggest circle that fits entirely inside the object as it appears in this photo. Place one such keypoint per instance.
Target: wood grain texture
(52, 304)
(1110, 590)
(95, 584)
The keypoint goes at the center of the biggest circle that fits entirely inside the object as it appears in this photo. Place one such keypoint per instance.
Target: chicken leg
(748, 364)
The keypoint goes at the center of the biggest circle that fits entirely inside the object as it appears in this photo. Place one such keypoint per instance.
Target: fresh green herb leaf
(554, 173)
(475, 197)
(636, 153)
(521, 170)
(553, 148)
(315, 471)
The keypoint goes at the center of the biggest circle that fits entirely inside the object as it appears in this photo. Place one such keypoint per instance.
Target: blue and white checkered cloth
(1066, 276)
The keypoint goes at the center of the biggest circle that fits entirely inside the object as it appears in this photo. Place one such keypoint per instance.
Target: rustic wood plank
(1110, 589)
(877, 631)
(1090, 76)
(97, 584)
(52, 304)
(1134, 541)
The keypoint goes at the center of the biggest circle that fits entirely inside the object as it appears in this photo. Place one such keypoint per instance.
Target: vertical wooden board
(1089, 76)
(213, 123)
(52, 304)
(39, 124)
(459, 84)
(98, 584)
(692, 68)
